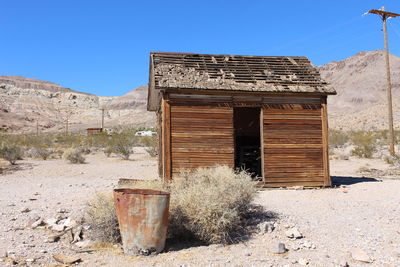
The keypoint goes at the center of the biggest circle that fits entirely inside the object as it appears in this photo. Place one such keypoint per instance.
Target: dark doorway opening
(247, 140)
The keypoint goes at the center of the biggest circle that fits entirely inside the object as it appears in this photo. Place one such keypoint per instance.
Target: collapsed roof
(233, 73)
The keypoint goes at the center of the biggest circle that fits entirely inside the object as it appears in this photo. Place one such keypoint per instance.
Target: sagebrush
(74, 155)
(100, 215)
(209, 204)
(11, 152)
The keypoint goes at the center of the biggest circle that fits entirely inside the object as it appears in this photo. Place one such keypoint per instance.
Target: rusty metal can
(143, 219)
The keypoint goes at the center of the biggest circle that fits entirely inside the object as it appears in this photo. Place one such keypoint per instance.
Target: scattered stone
(360, 255)
(25, 210)
(278, 248)
(37, 224)
(58, 227)
(302, 261)
(30, 260)
(84, 244)
(53, 238)
(343, 263)
(3, 253)
(51, 221)
(61, 210)
(293, 233)
(247, 253)
(267, 227)
(43, 251)
(76, 234)
(298, 187)
(65, 259)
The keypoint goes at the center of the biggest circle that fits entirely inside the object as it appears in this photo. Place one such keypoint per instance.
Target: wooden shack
(91, 131)
(262, 113)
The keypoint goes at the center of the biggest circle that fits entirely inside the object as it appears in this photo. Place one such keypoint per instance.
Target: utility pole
(66, 125)
(102, 119)
(384, 16)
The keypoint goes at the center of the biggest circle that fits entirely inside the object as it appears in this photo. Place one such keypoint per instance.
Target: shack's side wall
(294, 144)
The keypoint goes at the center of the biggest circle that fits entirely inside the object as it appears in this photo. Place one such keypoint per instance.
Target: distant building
(145, 133)
(90, 131)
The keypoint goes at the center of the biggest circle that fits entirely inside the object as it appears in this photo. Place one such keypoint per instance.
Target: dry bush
(337, 138)
(209, 204)
(365, 144)
(121, 145)
(74, 156)
(392, 160)
(11, 152)
(151, 144)
(100, 215)
(38, 152)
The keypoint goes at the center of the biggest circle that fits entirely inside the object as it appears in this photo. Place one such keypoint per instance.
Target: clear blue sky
(102, 47)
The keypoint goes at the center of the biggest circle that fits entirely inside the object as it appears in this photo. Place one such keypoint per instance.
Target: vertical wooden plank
(160, 143)
(325, 141)
(262, 143)
(166, 129)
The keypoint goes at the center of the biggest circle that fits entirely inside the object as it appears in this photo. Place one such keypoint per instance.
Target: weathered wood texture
(201, 136)
(293, 145)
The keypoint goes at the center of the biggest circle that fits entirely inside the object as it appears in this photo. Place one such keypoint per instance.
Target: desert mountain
(26, 102)
(360, 82)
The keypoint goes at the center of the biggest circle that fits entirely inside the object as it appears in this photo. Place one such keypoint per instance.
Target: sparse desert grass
(151, 144)
(338, 138)
(74, 156)
(38, 153)
(209, 204)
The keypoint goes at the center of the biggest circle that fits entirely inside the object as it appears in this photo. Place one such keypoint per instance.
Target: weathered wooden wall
(199, 132)
(201, 136)
(293, 145)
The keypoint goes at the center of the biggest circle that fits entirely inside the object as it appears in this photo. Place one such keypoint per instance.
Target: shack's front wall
(199, 132)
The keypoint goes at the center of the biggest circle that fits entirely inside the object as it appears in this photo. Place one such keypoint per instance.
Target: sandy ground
(361, 212)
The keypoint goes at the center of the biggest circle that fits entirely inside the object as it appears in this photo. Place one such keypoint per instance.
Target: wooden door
(293, 145)
(201, 136)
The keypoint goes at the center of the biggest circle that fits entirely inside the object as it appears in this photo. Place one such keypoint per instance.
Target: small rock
(343, 263)
(58, 227)
(302, 261)
(43, 251)
(3, 253)
(37, 223)
(278, 248)
(25, 210)
(360, 255)
(30, 260)
(65, 259)
(77, 234)
(307, 244)
(293, 233)
(53, 239)
(267, 227)
(61, 210)
(51, 221)
(84, 244)
(247, 253)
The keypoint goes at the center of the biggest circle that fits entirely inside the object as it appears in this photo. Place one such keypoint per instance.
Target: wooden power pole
(384, 16)
(102, 119)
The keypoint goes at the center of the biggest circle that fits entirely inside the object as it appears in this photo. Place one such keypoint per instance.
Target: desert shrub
(121, 145)
(338, 138)
(74, 156)
(38, 152)
(100, 215)
(392, 160)
(11, 152)
(209, 204)
(151, 144)
(108, 151)
(364, 144)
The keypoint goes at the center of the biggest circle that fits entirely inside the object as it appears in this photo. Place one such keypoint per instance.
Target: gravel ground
(362, 212)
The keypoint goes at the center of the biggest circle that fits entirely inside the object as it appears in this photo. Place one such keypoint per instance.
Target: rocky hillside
(25, 102)
(360, 82)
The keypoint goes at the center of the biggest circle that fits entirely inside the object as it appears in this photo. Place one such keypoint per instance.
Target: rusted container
(143, 219)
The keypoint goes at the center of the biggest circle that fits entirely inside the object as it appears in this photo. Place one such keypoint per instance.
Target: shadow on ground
(348, 180)
(250, 226)
(18, 167)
